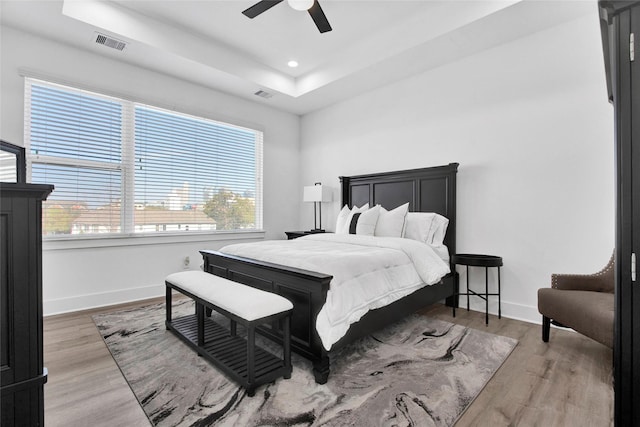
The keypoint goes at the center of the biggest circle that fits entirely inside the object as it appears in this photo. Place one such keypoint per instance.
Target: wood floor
(567, 382)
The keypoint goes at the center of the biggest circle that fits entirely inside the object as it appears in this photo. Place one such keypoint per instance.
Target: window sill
(63, 243)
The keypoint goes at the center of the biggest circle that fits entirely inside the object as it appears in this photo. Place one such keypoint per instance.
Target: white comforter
(368, 272)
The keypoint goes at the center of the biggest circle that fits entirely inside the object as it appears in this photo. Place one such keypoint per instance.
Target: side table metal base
(486, 261)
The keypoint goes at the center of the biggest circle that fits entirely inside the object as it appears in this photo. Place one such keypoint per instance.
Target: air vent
(262, 94)
(110, 42)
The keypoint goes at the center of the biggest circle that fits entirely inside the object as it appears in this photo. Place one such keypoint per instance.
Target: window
(121, 167)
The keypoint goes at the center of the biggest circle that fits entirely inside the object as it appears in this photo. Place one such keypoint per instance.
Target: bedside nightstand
(295, 234)
(477, 260)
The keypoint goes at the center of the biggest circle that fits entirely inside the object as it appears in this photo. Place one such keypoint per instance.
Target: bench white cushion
(242, 300)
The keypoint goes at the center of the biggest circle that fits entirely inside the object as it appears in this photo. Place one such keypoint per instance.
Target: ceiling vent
(110, 42)
(263, 94)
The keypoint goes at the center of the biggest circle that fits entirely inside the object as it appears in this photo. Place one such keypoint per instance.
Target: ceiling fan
(312, 6)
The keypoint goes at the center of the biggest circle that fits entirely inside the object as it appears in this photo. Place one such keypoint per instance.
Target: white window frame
(127, 172)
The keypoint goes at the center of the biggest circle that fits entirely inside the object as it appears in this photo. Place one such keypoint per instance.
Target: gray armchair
(584, 303)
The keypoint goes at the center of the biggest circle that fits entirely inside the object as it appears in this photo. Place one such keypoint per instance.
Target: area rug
(418, 372)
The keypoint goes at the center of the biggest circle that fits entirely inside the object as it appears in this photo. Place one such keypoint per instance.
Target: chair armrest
(602, 281)
(580, 282)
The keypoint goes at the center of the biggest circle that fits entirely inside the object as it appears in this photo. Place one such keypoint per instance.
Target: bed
(430, 189)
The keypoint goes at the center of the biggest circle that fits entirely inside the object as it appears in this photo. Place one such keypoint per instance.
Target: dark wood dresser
(22, 375)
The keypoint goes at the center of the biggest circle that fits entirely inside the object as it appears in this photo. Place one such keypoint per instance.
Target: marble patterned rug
(418, 372)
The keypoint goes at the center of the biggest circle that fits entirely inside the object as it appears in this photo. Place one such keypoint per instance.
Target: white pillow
(418, 226)
(391, 223)
(438, 230)
(344, 229)
(367, 220)
(342, 218)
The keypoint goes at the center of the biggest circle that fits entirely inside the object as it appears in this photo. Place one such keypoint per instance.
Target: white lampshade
(300, 4)
(316, 193)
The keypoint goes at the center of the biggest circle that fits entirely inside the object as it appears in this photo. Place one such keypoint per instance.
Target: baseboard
(89, 301)
(84, 302)
(522, 312)
(511, 310)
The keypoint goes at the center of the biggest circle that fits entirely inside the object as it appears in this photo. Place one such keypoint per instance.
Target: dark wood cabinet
(22, 375)
(620, 24)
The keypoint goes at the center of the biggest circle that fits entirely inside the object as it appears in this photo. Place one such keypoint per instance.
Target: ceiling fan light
(300, 4)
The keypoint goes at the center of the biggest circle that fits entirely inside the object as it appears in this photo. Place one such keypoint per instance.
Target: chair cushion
(590, 313)
(242, 300)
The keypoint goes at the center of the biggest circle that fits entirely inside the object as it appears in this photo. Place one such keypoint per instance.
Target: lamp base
(316, 230)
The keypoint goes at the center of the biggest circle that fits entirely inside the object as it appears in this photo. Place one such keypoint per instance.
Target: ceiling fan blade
(261, 6)
(319, 17)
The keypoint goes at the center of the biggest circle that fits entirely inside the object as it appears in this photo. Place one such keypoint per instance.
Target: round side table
(478, 260)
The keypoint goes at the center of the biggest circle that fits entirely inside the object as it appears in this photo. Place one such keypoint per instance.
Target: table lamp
(317, 194)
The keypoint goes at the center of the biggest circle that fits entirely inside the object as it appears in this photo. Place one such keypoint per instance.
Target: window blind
(125, 167)
(75, 142)
(198, 173)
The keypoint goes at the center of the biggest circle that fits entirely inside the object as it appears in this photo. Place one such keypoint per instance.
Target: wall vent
(110, 42)
(263, 94)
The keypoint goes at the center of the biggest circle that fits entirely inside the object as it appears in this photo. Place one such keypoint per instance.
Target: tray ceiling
(210, 42)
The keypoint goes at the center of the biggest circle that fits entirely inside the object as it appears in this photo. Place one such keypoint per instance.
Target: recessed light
(292, 64)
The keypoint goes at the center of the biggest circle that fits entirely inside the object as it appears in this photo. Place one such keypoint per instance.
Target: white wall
(530, 125)
(528, 122)
(81, 278)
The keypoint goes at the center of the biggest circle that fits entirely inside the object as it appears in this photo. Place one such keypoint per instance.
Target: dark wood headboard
(427, 190)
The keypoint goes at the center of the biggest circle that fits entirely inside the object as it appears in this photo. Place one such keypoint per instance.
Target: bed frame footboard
(307, 290)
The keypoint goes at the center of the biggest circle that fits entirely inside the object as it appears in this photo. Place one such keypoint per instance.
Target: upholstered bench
(237, 357)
